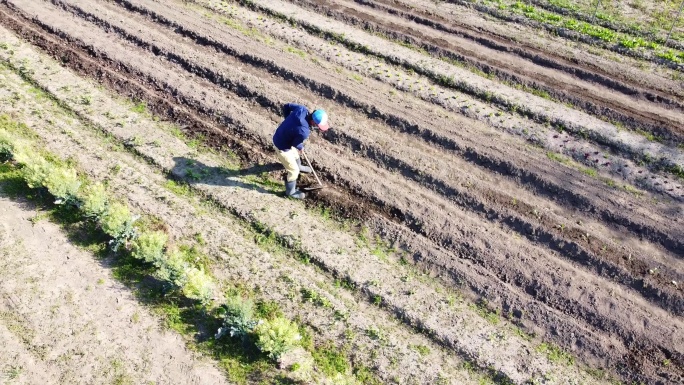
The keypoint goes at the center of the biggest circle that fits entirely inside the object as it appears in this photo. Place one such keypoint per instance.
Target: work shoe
(304, 169)
(291, 190)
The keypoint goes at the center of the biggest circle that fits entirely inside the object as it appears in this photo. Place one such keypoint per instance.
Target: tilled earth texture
(529, 183)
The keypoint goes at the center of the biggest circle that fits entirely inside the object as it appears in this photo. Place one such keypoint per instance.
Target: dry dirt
(564, 221)
(65, 320)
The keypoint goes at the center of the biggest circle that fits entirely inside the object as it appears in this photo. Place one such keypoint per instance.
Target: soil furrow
(556, 189)
(636, 114)
(618, 267)
(630, 144)
(160, 154)
(590, 72)
(209, 109)
(276, 276)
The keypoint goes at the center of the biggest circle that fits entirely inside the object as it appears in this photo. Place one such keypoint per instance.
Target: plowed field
(508, 198)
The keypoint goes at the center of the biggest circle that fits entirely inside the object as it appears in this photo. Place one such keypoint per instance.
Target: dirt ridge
(614, 269)
(525, 175)
(550, 59)
(588, 101)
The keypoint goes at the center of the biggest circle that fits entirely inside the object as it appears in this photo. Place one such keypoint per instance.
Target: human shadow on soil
(195, 172)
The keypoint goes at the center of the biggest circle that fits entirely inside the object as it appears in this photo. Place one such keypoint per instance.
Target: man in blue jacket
(289, 139)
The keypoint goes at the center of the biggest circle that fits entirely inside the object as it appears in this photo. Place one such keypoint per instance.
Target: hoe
(320, 184)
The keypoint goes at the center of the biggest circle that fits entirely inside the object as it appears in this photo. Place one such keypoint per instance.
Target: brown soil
(563, 254)
(589, 88)
(65, 320)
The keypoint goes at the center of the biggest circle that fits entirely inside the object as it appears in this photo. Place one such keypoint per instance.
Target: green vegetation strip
(658, 19)
(628, 42)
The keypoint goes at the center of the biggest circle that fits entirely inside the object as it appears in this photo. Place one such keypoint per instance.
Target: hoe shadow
(195, 172)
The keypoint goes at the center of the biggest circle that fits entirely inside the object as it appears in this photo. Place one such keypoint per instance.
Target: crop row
(654, 27)
(620, 42)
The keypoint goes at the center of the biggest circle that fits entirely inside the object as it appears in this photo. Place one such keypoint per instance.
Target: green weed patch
(606, 35)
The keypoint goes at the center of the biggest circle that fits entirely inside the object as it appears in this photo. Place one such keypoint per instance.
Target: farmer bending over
(289, 139)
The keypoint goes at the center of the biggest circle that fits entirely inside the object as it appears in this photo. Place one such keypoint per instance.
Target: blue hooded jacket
(294, 130)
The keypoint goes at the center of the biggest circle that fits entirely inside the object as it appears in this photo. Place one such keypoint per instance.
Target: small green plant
(315, 298)
(521, 333)
(296, 51)
(331, 360)
(193, 175)
(149, 246)
(6, 148)
(556, 157)
(482, 308)
(36, 169)
(171, 269)
(421, 349)
(277, 336)
(555, 354)
(139, 107)
(64, 184)
(375, 334)
(195, 143)
(38, 217)
(198, 285)
(12, 372)
(94, 200)
(238, 318)
(668, 55)
(365, 376)
(117, 222)
(630, 42)
(590, 171)
(268, 309)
